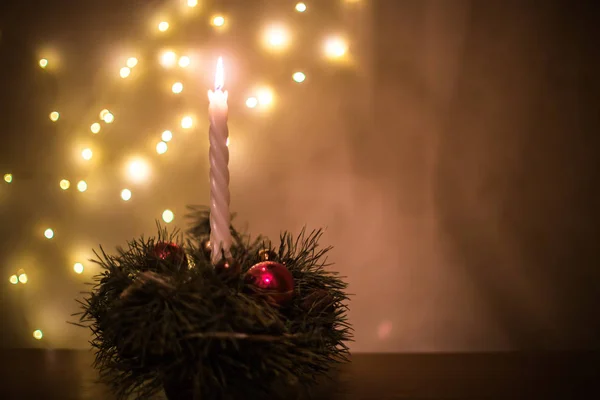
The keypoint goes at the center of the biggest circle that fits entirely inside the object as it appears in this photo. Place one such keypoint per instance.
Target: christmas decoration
(272, 280)
(205, 247)
(267, 254)
(171, 253)
(198, 333)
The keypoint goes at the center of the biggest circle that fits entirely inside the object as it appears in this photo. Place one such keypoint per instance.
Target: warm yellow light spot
(43, 63)
(218, 21)
(161, 148)
(265, 97)
(64, 184)
(168, 59)
(168, 216)
(87, 154)
(177, 87)
(138, 170)
(23, 278)
(300, 7)
(163, 26)
(95, 127)
(54, 116)
(132, 62)
(299, 77)
(166, 136)
(192, 3)
(276, 37)
(8, 178)
(251, 102)
(103, 113)
(109, 118)
(335, 47)
(78, 268)
(49, 233)
(126, 194)
(82, 186)
(227, 142)
(38, 334)
(187, 122)
(125, 72)
(184, 61)
(14, 279)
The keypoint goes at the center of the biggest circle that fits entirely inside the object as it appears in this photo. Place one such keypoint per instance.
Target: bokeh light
(163, 26)
(276, 37)
(300, 7)
(166, 136)
(168, 216)
(168, 59)
(265, 96)
(138, 170)
(109, 118)
(64, 184)
(78, 268)
(184, 61)
(38, 334)
(95, 127)
(14, 279)
(299, 77)
(218, 21)
(82, 186)
(43, 63)
(103, 113)
(8, 178)
(251, 102)
(126, 194)
(54, 116)
(87, 154)
(125, 72)
(192, 3)
(49, 233)
(23, 278)
(161, 148)
(131, 62)
(177, 87)
(335, 47)
(187, 122)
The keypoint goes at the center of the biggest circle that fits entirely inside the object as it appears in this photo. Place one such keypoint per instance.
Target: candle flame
(219, 75)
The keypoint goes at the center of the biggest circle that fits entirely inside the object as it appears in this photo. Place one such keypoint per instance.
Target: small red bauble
(171, 253)
(273, 280)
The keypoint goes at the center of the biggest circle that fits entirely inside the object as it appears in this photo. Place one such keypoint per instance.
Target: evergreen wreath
(268, 319)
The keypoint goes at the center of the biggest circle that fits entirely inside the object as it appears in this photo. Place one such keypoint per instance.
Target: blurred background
(449, 147)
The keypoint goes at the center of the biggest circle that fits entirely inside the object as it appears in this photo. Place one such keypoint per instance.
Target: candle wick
(218, 87)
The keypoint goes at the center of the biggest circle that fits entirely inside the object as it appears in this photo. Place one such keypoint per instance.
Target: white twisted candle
(220, 218)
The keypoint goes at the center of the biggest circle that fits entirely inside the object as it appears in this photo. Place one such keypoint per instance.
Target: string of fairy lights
(276, 37)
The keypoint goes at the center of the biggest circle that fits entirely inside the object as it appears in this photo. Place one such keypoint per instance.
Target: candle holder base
(181, 325)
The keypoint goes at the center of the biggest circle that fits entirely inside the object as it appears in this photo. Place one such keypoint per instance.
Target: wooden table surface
(67, 375)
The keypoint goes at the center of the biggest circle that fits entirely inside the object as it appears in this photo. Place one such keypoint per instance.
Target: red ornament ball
(171, 253)
(273, 280)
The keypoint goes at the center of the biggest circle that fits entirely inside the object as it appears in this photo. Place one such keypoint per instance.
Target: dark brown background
(453, 161)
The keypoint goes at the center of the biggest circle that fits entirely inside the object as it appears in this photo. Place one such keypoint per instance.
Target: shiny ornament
(171, 253)
(267, 255)
(272, 280)
(228, 268)
(206, 249)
